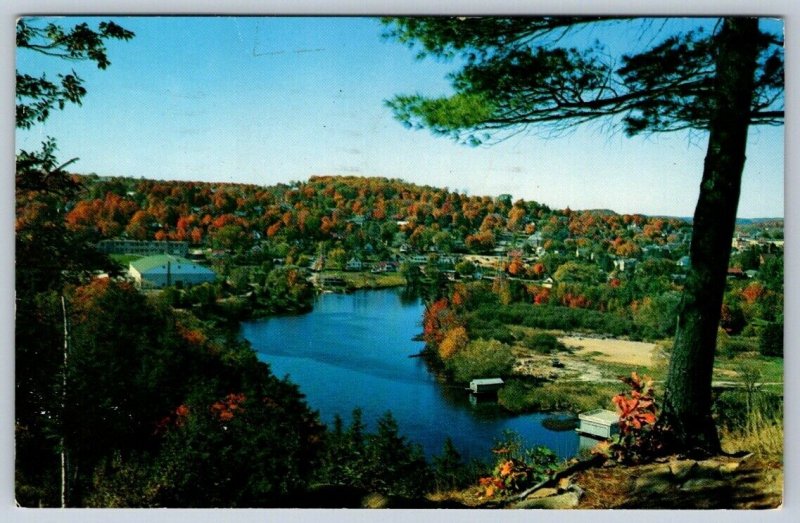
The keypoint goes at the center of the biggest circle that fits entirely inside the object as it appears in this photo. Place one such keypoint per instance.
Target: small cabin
(599, 423)
(483, 385)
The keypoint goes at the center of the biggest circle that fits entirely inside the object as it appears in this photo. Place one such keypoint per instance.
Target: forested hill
(355, 212)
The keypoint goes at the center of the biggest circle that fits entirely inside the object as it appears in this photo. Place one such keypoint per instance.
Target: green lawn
(368, 280)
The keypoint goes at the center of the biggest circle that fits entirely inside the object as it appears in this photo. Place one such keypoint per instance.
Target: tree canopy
(522, 73)
(37, 95)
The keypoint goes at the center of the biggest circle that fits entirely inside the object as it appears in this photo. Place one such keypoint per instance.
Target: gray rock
(704, 484)
(707, 469)
(561, 501)
(682, 469)
(657, 481)
(543, 493)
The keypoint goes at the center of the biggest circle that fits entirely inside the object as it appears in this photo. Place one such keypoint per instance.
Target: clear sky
(267, 100)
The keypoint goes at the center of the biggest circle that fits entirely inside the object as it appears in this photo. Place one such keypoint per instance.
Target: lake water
(353, 351)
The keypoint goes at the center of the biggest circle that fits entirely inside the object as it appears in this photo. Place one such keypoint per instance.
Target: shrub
(639, 439)
(771, 339)
(732, 347)
(480, 359)
(543, 343)
(517, 468)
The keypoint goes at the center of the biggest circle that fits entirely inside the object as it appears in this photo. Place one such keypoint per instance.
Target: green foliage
(139, 423)
(732, 346)
(576, 272)
(770, 342)
(481, 359)
(520, 396)
(734, 409)
(122, 482)
(657, 316)
(336, 259)
(489, 330)
(37, 96)
(517, 468)
(246, 451)
(550, 317)
(771, 272)
(543, 343)
(449, 470)
(465, 268)
(516, 73)
(383, 461)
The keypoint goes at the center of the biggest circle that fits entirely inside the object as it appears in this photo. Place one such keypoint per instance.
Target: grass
(574, 396)
(769, 368)
(368, 280)
(613, 370)
(764, 440)
(759, 429)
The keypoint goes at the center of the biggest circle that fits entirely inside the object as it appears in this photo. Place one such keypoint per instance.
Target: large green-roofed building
(164, 270)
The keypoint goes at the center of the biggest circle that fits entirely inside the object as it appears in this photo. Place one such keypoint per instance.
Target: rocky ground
(722, 482)
(719, 483)
(585, 360)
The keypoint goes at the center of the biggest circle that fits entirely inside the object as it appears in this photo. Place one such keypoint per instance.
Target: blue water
(353, 351)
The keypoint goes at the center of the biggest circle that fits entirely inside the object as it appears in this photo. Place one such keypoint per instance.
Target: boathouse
(599, 423)
(484, 385)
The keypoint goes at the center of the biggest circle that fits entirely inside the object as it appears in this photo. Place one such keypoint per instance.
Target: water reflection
(353, 351)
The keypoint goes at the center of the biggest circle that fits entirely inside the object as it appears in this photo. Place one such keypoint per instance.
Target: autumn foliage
(516, 468)
(640, 439)
(225, 409)
(636, 409)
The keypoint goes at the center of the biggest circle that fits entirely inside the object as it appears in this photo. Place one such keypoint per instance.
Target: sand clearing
(613, 350)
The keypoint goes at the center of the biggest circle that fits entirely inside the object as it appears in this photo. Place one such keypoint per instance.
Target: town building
(165, 270)
(354, 264)
(144, 248)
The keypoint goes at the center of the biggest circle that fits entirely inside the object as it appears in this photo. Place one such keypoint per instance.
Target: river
(353, 351)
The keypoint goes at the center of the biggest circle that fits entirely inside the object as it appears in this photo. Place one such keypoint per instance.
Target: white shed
(599, 423)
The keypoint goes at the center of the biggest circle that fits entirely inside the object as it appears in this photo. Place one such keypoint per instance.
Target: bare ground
(582, 363)
(633, 353)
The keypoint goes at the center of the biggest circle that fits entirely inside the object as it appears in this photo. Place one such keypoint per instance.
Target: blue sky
(267, 100)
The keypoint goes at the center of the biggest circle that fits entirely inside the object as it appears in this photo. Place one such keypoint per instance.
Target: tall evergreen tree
(518, 73)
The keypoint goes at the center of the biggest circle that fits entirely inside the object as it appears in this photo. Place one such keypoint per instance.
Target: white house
(625, 264)
(354, 264)
(164, 270)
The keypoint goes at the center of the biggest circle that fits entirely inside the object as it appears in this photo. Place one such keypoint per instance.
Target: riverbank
(349, 281)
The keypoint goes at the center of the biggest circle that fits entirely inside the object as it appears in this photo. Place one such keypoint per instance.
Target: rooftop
(151, 262)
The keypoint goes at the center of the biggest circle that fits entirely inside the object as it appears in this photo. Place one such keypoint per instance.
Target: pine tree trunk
(687, 402)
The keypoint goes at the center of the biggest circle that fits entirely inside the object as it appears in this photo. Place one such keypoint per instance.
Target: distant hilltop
(115, 182)
(775, 222)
